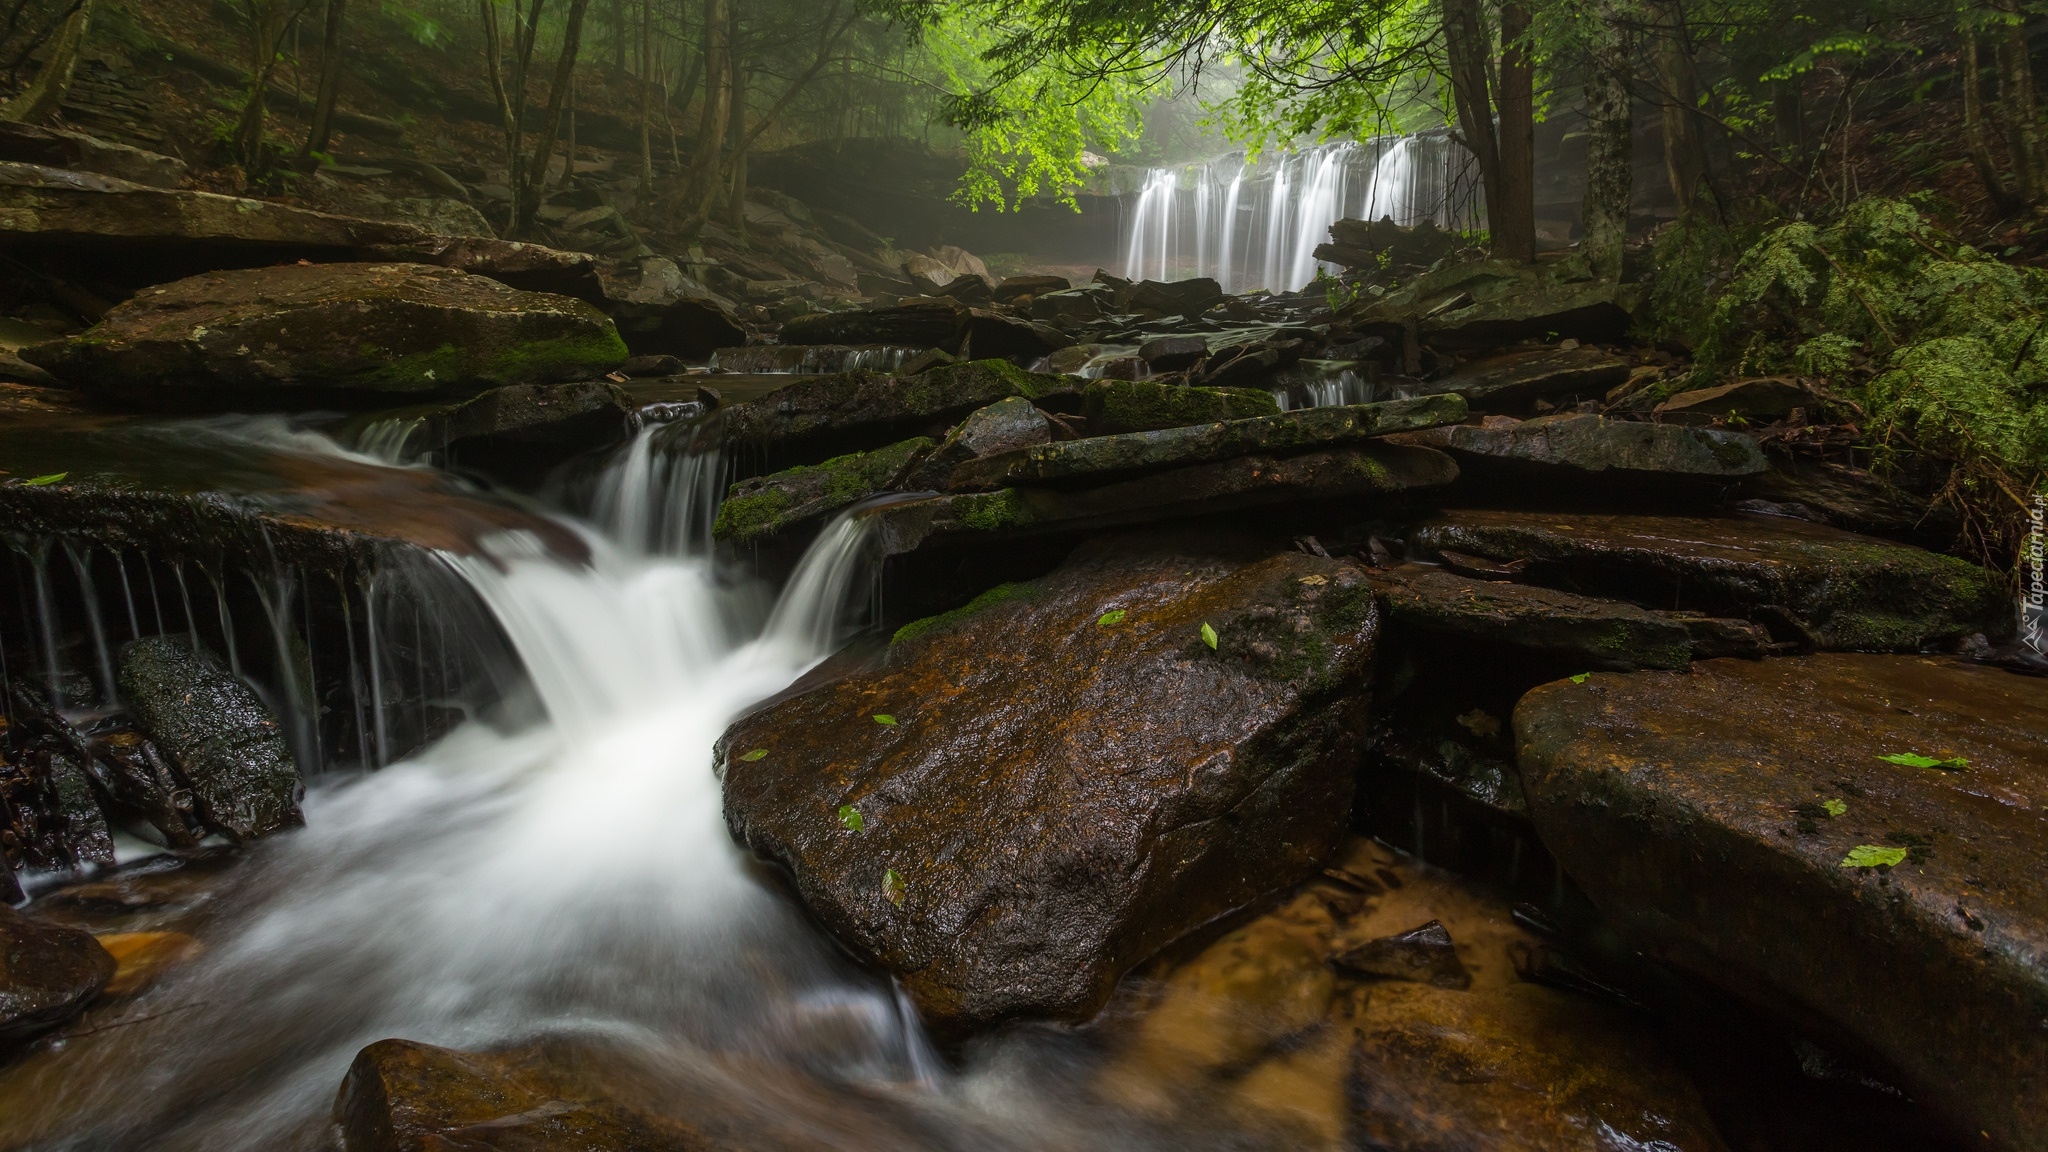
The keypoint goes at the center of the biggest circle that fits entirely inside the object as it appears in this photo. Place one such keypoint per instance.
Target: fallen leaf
(1873, 856)
(885, 718)
(1112, 617)
(1480, 723)
(40, 481)
(1916, 760)
(892, 887)
(851, 817)
(1208, 635)
(1581, 677)
(756, 754)
(1315, 581)
(1833, 807)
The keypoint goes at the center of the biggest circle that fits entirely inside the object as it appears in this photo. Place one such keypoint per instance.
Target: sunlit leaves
(1873, 856)
(884, 719)
(851, 819)
(44, 481)
(756, 754)
(1110, 619)
(1834, 807)
(1208, 635)
(1916, 760)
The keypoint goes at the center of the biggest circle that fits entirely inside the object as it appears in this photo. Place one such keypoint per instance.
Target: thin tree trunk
(551, 125)
(1685, 152)
(269, 21)
(712, 117)
(569, 152)
(1514, 229)
(2022, 114)
(1465, 43)
(736, 190)
(1974, 135)
(45, 94)
(646, 99)
(1609, 186)
(330, 79)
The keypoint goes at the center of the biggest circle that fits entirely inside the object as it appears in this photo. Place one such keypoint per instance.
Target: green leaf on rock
(1873, 856)
(885, 719)
(40, 481)
(756, 754)
(1110, 618)
(851, 817)
(892, 887)
(1208, 635)
(1916, 760)
(1833, 807)
(1581, 677)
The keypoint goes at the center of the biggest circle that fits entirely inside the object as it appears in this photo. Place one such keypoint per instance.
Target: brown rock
(1425, 955)
(47, 974)
(1713, 816)
(1765, 398)
(1514, 381)
(1069, 776)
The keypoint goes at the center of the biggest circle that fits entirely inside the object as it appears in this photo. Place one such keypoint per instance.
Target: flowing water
(1256, 225)
(560, 867)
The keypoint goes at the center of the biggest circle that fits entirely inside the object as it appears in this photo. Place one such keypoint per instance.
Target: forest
(1219, 575)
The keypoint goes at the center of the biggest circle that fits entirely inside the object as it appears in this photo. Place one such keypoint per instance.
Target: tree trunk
(1604, 232)
(711, 118)
(330, 79)
(2022, 113)
(1465, 43)
(269, 20)
(646, 99)
(1974, 135)
(1685, 150)
(736, 192)
(1514, 229)
(45, 94)
(551, 125)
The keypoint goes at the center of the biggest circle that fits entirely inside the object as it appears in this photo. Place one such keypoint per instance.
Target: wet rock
(135, 775)
(1259, 1031)
(994, 336)
(1424, 955)
(856, 410)
(441, 215)
(767, 505)
(50, 821)
(1348, 475)
(1072, 777)
(1761, 400)
(1717, 817)
(15, 370)
(1609, 634)
(1174, 353)
(1079, 304)
(1005, 426)
(141, 958)
(1114, 406)
(1587, 443)
(301, 336)
(1842, 590)
(1172, 298)
(1846, 497)
(47, 974)
(661, 312)
(400, 1096)
(1383, 243)
(78, 152)
(1099, 459)
(933, 322)
(134, 235)
(1495, 303)
(218, 735)
(813, 358)
(521, 431)
(1512, 382)
(1019, 289)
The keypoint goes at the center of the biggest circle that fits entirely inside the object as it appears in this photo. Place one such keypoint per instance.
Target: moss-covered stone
(989, 599)
(1114, 406)
(763, 506)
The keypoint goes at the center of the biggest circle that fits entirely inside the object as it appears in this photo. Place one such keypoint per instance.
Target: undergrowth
(1940, 346)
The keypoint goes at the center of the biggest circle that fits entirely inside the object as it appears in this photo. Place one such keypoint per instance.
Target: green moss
(754, 514)
(451, 365)
(1142, 405)
(768, 504)
(999, 594)
(990, 511)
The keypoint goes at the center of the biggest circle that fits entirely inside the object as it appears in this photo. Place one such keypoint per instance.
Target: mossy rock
(1114, 406)
(761, 507)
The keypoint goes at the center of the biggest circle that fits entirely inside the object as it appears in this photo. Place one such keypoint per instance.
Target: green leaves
(1581, 677)
(1916, 760)
(884, 719)
(1110, 619)
(892, 886)
(851, 818)
(1834, 807)
(1208, 635)
(42, 481)
(1873, 856)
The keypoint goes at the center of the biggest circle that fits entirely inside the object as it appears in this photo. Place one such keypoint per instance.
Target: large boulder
(662, 312)
(818, 417)
(517, 432)
(1857, 840)
(1039, 790)
(1594, 444)
(47, 974)
(924, 322)
(301, 336)
(1829, 587)
(218, 735)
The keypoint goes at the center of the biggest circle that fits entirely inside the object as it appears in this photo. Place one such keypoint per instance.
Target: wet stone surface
(222, 739)
(1588, 443)
(1746, 823)
(1039, 790)
(47, 974)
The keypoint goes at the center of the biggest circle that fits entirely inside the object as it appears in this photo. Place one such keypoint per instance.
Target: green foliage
(1208, 635)
(1110, 619)
(884, 719)
(1874, 856)
(756, 754)
(45, 481)
(1834, 808)
(851, 819)
(1915, 760)
(892, 886)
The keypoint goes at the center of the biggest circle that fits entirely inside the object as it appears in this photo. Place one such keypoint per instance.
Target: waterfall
(1255, 226)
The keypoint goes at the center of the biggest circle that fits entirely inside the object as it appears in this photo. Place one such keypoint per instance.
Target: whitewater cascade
(1256, 225)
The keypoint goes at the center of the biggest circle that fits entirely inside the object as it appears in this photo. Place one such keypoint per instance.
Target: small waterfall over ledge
(1257, 225)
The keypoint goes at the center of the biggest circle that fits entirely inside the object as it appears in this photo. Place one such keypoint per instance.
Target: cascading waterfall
(559, 868)
(1255, 226)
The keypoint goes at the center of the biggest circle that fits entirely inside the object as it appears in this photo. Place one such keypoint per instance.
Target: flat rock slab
(299, 336)
(47, 974)
(57, 148)
(1588, 443)
(1114, 406)
(765, 506)
(930, 322)
(1842, 590)
(1068, 776)
(1713, 815)
(1607, 634)
(1763, 399)
(226, 745)
(1099, 459)
(813, 418)
(1358, 473)
(1518, 379)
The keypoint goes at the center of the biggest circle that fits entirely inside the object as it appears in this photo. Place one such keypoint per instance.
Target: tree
(45, 93)
(266, 23)
(331, 47)
(529, 172)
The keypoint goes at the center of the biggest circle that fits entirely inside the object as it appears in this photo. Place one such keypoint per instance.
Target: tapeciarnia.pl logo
(2034, 578)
